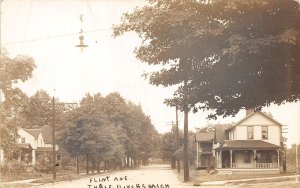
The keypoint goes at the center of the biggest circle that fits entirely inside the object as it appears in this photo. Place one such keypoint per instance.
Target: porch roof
(50, 150)
(246, 144)
(44, 149)
(205, 137)
(24, 145)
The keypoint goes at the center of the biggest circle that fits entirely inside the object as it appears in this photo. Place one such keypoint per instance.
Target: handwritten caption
(120, 182)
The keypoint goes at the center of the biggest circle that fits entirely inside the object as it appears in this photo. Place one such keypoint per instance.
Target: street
(153, 176)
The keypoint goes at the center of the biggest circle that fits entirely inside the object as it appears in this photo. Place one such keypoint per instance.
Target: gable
(34, 132)
(258, 118)
(25, 134)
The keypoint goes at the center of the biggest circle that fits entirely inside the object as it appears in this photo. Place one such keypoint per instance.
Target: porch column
(33, 154)
(254, 157)
(217, 159)
(197, 154)
(230, 158)
(220, 159)
(278, 159)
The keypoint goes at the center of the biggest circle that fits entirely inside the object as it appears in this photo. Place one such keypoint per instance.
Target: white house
(34, 141)
(251, 145)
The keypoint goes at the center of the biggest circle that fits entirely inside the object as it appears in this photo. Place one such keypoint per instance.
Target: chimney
(249, 111)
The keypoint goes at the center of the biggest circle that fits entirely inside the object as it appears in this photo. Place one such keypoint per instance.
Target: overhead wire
(54, 36)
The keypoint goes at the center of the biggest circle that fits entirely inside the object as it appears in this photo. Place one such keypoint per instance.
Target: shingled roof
(221, 132)
(47, 134)
(205, 137)
(34, 132)
(247, 144)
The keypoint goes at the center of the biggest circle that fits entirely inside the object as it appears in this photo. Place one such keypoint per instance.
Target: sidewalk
(252, 180)
(59, 178)
(202, 178)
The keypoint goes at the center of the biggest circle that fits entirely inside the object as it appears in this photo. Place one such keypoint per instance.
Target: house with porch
(205, 144)
(36, 142)
(250, 145)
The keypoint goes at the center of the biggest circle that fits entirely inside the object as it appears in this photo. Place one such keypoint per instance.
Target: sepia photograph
(149, 93)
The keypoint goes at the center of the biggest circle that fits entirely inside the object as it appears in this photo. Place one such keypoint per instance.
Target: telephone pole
(177, 140)
(53, 137)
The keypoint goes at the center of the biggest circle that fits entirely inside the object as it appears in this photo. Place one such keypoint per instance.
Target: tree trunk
(93, 166)
(173, 165)
(127, 162)
(87, 164)
(185, 149)
(98, 166)
(178, 165)
(77, 164)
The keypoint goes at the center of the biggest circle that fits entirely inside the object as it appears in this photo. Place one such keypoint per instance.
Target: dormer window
(250, 132)
(264, 132)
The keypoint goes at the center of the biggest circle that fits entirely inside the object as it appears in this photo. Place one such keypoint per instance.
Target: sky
(48, 31)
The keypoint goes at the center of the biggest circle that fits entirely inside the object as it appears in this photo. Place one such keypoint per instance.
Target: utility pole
(185, 136)
(177, 139)
(185, 148)
(53, 137)
(297, 166)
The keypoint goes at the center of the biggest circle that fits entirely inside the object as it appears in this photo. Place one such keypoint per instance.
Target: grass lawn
(16, 185)
(199, 176)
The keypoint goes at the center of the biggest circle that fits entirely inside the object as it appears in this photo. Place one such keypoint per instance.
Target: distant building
(35, 142)
(251, 145)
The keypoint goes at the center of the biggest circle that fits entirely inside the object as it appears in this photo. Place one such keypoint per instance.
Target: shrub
(12, 168)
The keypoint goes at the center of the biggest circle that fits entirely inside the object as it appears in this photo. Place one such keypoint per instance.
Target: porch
(244, 159)
(254, 165)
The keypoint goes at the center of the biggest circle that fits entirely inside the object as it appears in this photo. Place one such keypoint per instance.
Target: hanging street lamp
(81, 44)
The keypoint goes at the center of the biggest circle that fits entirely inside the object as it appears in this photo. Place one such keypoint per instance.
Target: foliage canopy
(223, 55)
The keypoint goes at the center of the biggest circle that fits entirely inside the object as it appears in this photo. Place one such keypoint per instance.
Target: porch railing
(253, 165)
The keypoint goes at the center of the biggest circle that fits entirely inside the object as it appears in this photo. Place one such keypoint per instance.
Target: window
(264, 132)
(250, 132)
(247, 157)
(22, 140)
(58, 157)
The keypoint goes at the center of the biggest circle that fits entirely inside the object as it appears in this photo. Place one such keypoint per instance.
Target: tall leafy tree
(12, 70)
(38, 111)
(223, 55)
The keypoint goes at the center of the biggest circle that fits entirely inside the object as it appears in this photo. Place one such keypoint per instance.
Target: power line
(54, 36)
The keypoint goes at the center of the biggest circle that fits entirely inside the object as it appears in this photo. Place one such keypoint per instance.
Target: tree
(169, 147)
(38, 110)
(222, 55)
(81, 138)
(115, 129)
(12, 71)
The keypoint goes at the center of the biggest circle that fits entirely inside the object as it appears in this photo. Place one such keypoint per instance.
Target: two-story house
(35, 142)
(252, 145)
